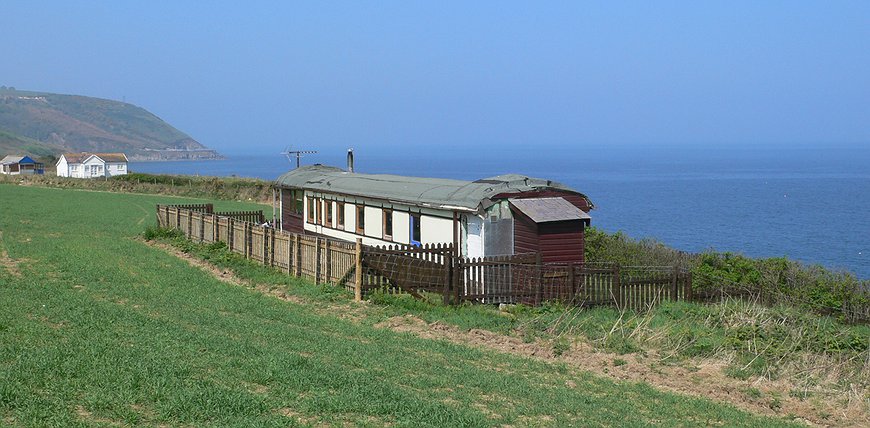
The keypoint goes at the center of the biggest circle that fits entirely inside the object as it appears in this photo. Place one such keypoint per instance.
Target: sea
(808, 204)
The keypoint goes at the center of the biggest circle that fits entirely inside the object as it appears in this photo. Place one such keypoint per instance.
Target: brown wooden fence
(315, 258)
(524, 279)
(433, 269)
(409, 269)
(255, 216)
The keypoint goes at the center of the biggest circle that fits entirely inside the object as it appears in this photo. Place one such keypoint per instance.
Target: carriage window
(415, 229)
(297, 196)
(388, 224)
(311, 210)
(327, 213)
(361, 220)
(340, 207)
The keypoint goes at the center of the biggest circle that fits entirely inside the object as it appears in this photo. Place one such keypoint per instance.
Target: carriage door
(414, 233)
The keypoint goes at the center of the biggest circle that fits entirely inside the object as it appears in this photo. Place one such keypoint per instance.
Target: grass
(818, 358)
(99, 328)
(223, 188)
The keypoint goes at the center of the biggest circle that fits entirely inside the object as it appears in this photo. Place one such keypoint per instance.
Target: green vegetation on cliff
(46, 124)
(771, 280)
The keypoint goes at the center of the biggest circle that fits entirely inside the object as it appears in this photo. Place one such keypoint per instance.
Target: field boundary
(428, 269)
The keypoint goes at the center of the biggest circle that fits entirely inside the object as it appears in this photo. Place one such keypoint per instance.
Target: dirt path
(225, 275)
(704, 378)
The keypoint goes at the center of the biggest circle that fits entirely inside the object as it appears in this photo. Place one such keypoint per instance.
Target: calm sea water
(810, 205)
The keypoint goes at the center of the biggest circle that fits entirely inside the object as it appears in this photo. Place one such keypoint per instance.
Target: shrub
(153, 232)
(773, 280)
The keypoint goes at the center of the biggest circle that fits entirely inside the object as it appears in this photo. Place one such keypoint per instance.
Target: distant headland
(46, 125)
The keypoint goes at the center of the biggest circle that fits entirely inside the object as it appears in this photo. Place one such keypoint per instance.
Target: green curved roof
(418, 191)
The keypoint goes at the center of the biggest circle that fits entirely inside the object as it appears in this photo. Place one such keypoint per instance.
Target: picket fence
(433, 269)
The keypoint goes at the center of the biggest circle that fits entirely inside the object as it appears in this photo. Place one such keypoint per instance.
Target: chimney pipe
(350, 160)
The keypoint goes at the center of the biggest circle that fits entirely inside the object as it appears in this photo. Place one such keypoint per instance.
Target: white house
(503, 215)
(90, 165)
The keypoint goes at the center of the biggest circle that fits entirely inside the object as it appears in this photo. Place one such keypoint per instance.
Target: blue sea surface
(809, 205)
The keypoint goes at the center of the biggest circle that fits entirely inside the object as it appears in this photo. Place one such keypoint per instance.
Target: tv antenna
(297, 153)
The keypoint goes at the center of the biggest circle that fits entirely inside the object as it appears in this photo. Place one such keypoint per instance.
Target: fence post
(539, 275)
(189, 224)
(448, 276)
(250, 238)
(178, 219)
(674, 290)
(297, 256)
(458, 277)
(215, 228)
(265, 246)
(317, 268)
(571, 280)
(327, 271)
(271, 247)
(159, 220)
(357, 286)
(231, 233)
(201, 227)
(618, 288)
(290, 255)
(247, 239)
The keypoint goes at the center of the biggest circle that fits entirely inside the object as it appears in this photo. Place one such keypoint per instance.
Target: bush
(153, 232)
(775, 280)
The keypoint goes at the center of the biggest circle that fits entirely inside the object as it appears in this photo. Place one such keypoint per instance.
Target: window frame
(339, 217)
(361, 219)
(414, 220)
(387, 219)
(297, 200)
(311, 215)
(327, 212)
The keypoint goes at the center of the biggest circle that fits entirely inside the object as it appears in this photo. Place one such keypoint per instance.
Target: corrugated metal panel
(544, 210)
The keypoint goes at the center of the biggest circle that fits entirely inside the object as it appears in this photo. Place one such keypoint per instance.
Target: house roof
(8, 160)
(112, 157)
(543, 210)
(106, 157)
(418, 191)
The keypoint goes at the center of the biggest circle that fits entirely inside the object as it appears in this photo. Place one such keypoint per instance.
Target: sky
(256, 77)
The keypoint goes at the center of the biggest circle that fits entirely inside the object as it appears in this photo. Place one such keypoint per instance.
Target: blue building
(16, 165)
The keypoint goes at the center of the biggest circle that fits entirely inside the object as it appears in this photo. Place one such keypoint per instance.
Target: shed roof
(418, 191)
(544, 210)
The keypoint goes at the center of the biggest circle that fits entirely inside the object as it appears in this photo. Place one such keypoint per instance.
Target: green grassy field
(98, 328)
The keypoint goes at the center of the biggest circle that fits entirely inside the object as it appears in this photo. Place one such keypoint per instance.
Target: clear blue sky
(252, 76)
